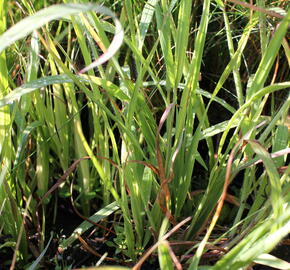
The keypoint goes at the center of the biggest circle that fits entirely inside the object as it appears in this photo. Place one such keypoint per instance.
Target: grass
(169, 139)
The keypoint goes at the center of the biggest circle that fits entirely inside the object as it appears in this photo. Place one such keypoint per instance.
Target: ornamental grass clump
(153, 133)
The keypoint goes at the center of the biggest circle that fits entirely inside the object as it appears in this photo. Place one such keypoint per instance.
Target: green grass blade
(269, 57)
(146, 19)
(60, 79)
(84, 226)
(27, 25)
(261, 240)
(182, 37)
(237, 77)
(280, 141)
(165, 260)
(259, 94)
(276, 190)
(272, 261)
(41, 255)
